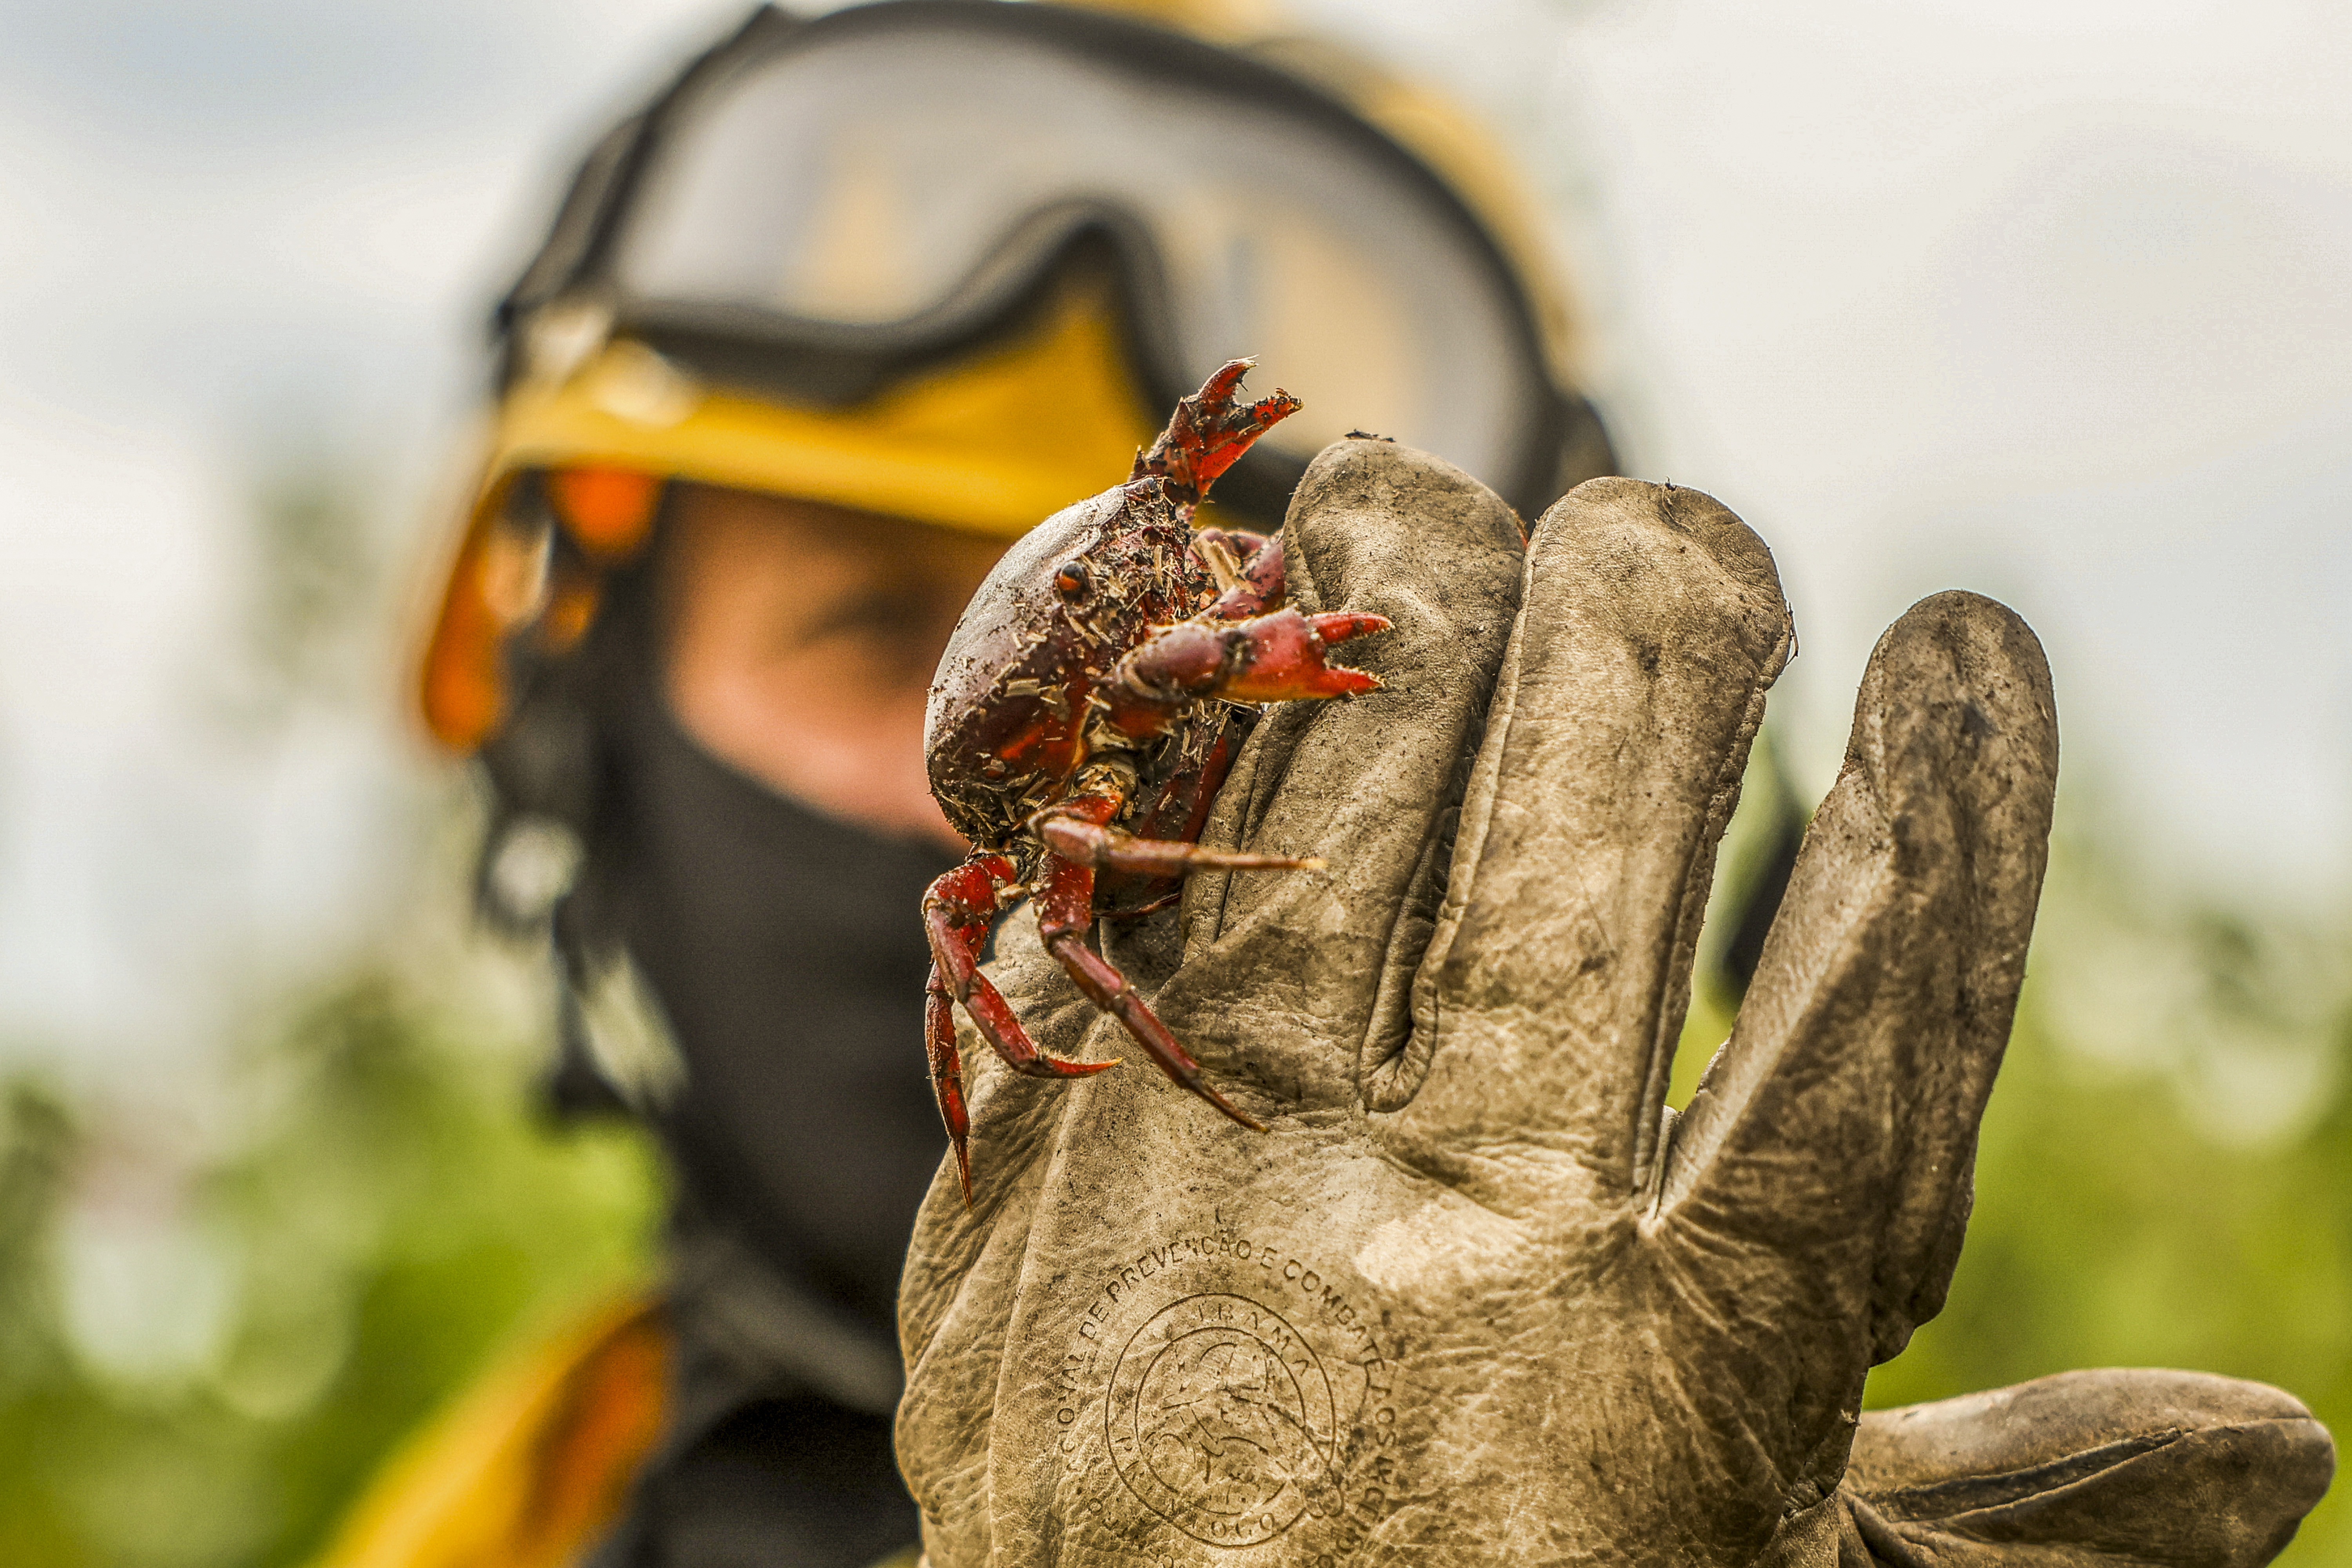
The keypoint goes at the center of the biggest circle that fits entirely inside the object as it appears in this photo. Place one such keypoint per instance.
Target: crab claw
(1267, 659)
(1208, 432)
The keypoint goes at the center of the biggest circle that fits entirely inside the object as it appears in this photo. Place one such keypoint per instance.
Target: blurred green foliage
(199, 1366)
(223, 1299)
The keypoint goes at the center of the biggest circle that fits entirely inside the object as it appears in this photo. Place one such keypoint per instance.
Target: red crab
(1079, 727)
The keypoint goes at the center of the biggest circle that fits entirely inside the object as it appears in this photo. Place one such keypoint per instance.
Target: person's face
(800, 640)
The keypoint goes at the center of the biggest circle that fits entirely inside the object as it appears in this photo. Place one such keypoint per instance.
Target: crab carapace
(1081, 722)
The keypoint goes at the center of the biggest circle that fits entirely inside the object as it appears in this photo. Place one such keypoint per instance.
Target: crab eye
(1070, 580)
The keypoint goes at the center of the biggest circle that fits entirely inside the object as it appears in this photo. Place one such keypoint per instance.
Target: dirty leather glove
(1474, 1297)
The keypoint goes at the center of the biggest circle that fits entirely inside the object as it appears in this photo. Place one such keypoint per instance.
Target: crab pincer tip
(1043, 1065)
(1339, 625)
(1231, 1112)
(1244, 1117)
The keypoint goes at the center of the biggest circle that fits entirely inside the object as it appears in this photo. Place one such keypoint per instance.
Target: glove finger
(1833, 1137)
(1547, 1008)
(2116, 1466)
(1369, 785)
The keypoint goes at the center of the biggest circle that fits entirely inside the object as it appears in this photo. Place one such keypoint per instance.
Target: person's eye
(879, 617)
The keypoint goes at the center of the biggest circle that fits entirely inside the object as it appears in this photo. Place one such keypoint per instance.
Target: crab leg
(1248, 568)
(1065, 912)
(947, 1074)
(1078, 830)
(956, 914)
(1109, 849)
(1099, 847)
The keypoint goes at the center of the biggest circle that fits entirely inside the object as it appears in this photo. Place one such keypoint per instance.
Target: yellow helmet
(950, 260)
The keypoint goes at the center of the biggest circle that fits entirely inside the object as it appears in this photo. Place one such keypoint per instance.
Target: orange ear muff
(499, 582)
(608, 511)
(462, 691)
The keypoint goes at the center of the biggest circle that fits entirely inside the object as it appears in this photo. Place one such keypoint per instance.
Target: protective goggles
(820, 209)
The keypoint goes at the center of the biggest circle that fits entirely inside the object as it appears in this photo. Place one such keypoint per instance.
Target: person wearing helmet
(847, 307)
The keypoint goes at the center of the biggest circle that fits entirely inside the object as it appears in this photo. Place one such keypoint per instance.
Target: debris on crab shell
(1086, 704)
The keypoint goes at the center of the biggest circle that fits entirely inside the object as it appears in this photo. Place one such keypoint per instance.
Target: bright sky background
(2049, 297)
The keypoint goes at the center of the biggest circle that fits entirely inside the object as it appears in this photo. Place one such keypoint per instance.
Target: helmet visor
(896, 174)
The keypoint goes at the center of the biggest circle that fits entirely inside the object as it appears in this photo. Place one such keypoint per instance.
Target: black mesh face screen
(787, 950)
